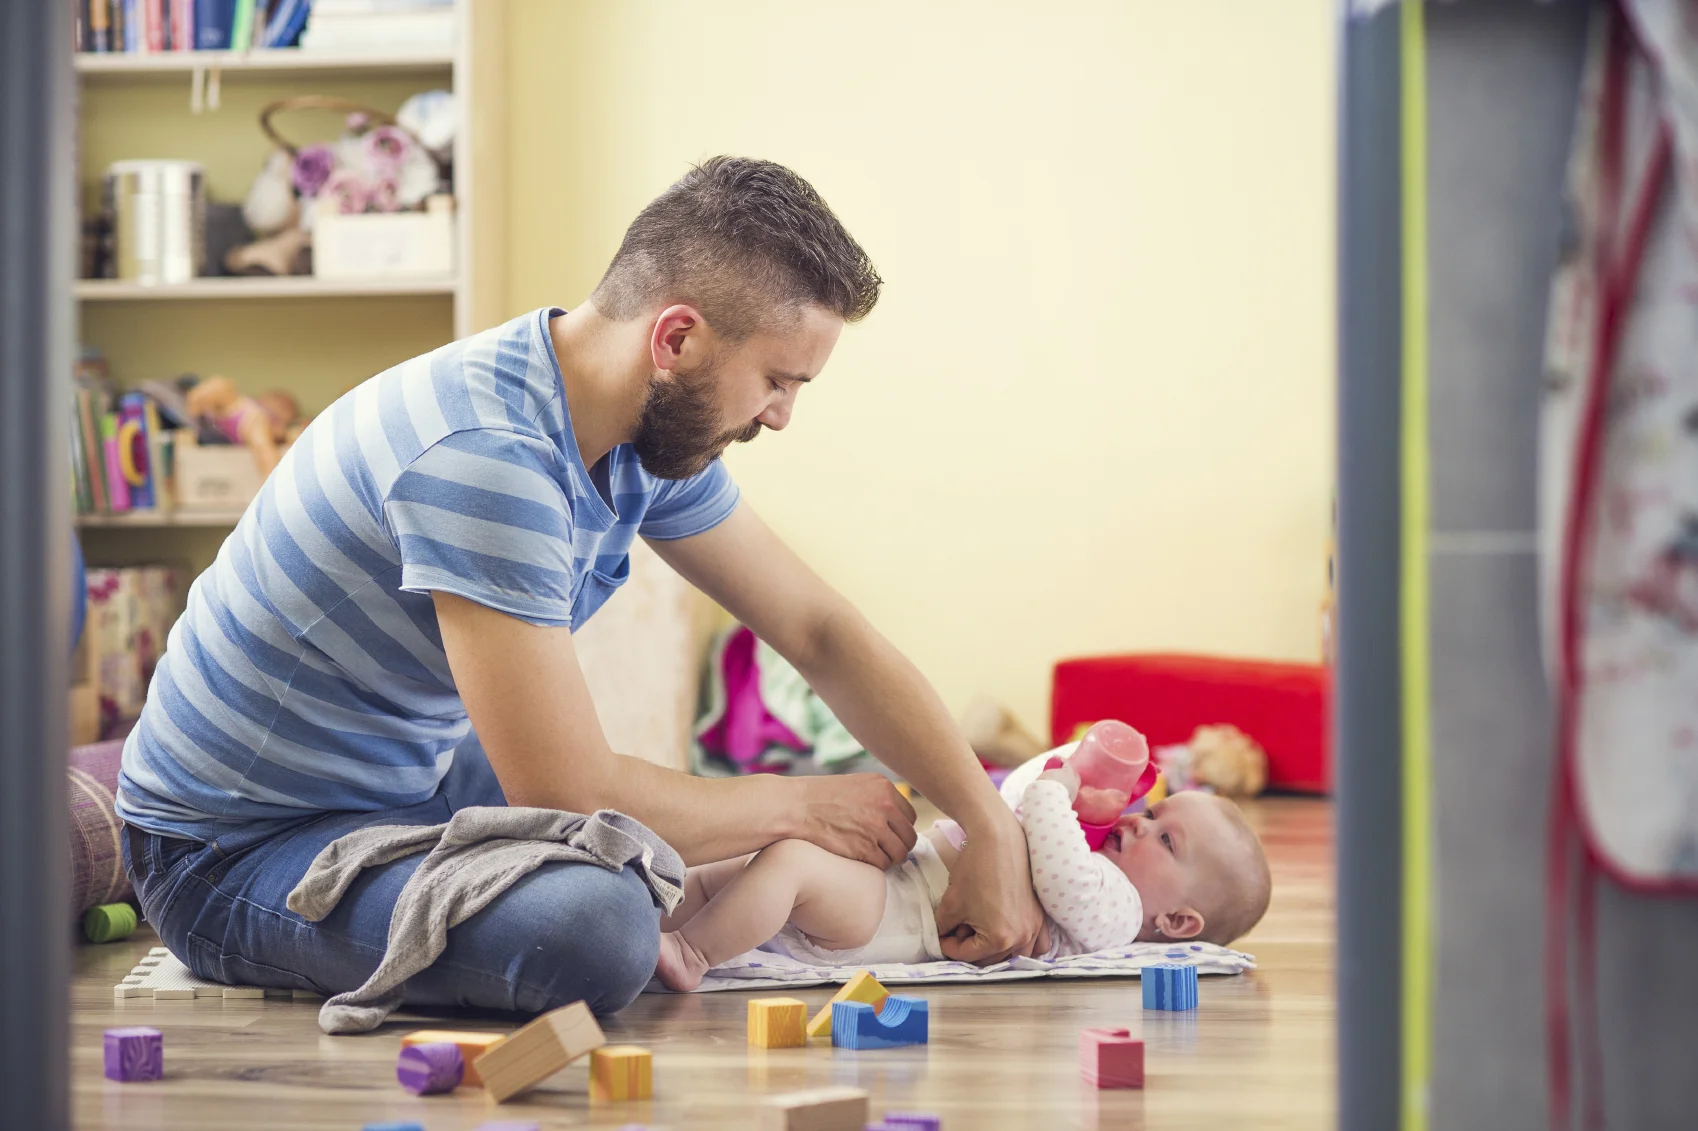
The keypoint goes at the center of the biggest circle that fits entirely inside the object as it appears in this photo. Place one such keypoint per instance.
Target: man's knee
(596, 938)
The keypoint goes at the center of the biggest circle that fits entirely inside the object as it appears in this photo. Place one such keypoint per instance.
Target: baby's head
(1198, 868)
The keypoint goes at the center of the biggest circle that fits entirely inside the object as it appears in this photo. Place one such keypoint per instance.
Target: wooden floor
(1257, 1053)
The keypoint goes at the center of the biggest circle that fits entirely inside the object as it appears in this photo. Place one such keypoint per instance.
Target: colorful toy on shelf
(821, 1109)
(135, 1054)
(471, 1046)
(1111, 1058)
(778, 1023)
(1114, 768)
(621, 1072)
(260, 424)
(902, 1021)
(862, 987)
(1170, 987)
(430, 1068)
(539, 1050)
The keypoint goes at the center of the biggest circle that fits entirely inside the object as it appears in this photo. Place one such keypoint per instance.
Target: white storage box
(385, 245)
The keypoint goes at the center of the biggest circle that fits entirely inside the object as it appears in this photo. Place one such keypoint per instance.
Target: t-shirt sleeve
(481, 514)
(682, 507)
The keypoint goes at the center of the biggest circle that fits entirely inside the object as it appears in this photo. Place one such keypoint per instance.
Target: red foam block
(1283, 706)
(1111, 1058)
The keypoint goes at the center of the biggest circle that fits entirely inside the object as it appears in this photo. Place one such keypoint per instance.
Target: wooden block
(621, 1072)
(862, 987)
(539, 1050)
(1111, 1058)
(822, 1109)
(472, 1046)
(778, 1023)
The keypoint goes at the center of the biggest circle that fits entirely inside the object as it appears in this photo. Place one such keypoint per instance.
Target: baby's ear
(1186, 923)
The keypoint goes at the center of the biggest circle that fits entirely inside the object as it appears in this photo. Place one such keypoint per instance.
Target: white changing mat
(760, 969)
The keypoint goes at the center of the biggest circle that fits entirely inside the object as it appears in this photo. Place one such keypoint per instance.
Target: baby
(1190, 868)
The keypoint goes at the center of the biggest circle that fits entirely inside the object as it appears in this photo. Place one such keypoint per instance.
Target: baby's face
(1166, 852)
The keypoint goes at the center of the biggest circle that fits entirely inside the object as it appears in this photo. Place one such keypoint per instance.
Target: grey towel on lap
(477, 855)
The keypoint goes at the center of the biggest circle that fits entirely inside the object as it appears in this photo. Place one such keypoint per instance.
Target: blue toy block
(1171, 987)
(393, 1127)
(856, 1025)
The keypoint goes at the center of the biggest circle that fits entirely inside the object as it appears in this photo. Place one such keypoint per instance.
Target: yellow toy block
(862, 987)
(621, 1072)
(472, 1046)
(777, 1023)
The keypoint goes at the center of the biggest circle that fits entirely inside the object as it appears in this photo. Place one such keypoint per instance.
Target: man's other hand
(859, 816)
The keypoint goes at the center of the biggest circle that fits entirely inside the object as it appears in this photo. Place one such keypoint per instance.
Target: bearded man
(386, 637)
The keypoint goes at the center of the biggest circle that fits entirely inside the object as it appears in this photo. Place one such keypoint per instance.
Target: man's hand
(990, 911)
(858, 816)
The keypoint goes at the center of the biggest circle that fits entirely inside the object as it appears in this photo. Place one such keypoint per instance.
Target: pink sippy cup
(1114, 768)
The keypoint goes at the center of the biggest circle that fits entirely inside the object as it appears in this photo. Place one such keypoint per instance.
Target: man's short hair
(746, 242)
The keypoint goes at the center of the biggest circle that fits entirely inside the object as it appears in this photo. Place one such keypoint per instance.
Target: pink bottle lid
(1112, 758)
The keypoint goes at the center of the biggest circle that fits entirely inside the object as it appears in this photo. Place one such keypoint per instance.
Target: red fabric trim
(1570, 836)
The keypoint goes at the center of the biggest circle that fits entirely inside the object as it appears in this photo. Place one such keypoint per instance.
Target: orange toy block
(539, 1050)
(621, 1072)
(472, 1046)
(862, 987)
(778, 1023)
(822, 1109)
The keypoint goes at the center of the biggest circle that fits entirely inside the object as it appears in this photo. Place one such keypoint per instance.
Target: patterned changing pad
(759, 969)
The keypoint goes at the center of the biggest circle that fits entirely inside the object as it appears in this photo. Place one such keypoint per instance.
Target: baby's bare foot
(681, 965)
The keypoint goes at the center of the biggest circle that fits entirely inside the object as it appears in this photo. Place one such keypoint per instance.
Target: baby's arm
(1086, 895)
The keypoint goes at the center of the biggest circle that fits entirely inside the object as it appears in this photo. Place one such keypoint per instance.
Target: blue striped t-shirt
(307, 673)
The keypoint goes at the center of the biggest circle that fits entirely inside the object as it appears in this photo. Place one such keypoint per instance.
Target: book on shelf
(152, 26)
(122, 446)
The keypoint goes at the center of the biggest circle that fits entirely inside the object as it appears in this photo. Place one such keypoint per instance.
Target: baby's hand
(1067, 776)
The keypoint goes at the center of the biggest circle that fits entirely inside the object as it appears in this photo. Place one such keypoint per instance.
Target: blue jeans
(564, 933)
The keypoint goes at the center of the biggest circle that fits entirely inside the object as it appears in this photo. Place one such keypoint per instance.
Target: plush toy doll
(245, 420)
(1222, 758)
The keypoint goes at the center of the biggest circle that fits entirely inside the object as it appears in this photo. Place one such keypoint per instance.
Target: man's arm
(989, 911)
(533, 714)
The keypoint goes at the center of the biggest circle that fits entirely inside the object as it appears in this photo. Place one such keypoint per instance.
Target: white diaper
(908, 931)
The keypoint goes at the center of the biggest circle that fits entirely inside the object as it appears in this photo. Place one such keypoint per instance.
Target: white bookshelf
(128, 65)
(472, 69)
(257, 287)
(154, 519)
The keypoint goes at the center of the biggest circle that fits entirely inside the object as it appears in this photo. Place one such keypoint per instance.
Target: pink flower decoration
(345, 192)
(313, 166)
(386, 148)
(385, 195)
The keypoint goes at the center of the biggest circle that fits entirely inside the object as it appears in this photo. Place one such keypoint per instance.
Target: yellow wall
(1093, 411)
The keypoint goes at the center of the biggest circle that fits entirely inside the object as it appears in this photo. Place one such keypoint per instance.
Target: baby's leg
(837, 903)
(701, 884)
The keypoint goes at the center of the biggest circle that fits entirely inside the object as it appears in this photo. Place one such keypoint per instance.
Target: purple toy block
(430, 1068)
(911, 1121)
(135, 1054)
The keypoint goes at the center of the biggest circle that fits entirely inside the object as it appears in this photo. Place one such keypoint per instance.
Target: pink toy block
(1111, 1058)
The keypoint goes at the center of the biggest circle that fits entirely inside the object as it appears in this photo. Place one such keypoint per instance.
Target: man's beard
(678, 433)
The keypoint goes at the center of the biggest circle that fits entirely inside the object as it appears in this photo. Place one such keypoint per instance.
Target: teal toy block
(1170, 987)
(856, 1025)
